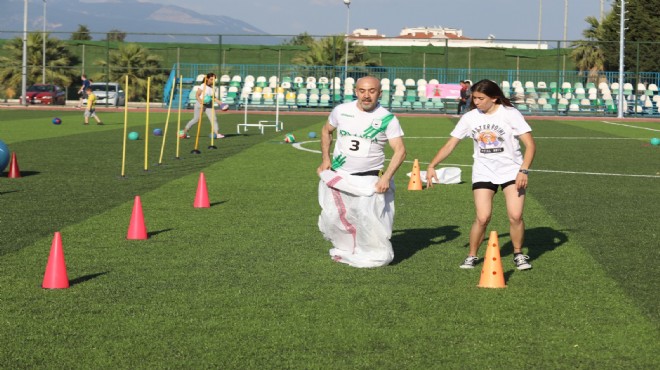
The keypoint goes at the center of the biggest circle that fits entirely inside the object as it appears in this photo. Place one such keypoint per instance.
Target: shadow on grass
(408, 242)
(538, 240)
(23, 173)
(213, 204)
(82, 279)
(154, 233)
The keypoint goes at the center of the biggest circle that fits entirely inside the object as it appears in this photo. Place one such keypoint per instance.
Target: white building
(436, 36)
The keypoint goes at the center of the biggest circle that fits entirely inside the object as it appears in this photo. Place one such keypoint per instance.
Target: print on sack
(489, 138)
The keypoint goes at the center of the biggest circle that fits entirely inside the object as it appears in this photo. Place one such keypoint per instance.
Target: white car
(115, 95)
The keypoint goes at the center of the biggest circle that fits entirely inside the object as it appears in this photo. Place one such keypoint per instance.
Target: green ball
(133, 135)
(655, 141)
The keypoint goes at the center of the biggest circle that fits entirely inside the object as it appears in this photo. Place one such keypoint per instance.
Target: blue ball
(4, 155)
(158, 132)
(655, 141)
(57, 121)
(133, 135)
(312, 135)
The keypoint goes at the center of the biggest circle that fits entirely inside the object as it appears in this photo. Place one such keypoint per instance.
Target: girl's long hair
(491, 90)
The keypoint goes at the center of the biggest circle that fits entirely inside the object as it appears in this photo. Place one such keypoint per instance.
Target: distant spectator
(90, 111)
(83, 89)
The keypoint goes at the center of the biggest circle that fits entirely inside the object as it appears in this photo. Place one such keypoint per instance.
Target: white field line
(299, 146)
(631, 126)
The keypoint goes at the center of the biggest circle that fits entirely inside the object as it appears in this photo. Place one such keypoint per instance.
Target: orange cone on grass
(415, 182)
(55, 276)
(492, 275)
(202, 196)
(14, 172)
(136, 229)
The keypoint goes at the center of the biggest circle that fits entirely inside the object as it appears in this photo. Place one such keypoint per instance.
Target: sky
(505, 19)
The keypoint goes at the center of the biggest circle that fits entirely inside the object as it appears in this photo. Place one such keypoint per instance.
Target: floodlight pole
(622, 37)
(24, 65)
(43, 49)
(348, 22)
(540, 20)
(563, 69)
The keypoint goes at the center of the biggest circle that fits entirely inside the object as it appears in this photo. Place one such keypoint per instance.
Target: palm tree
(588, 54)
(136, 62)
(330, 51)
(58, 61)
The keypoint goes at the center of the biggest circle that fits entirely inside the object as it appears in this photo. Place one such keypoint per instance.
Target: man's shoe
(469, 262)
(521, 261)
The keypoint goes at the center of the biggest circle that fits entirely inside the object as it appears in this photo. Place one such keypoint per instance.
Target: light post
(43, 49)
(348, 22)
(540, 20)
(563, 69)
(24, 65)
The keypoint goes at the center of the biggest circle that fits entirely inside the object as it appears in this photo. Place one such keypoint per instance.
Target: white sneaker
(469, 262)
(521, 261)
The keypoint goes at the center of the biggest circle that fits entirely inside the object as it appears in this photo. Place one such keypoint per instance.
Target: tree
(641, 36)
(330, 51)
(588, 54)
(82, 33)
(303, 39)
(136, 62)
(58, 61)
(116, 35)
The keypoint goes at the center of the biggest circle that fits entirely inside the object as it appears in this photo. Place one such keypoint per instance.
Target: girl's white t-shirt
(497, 154)
(361, 137)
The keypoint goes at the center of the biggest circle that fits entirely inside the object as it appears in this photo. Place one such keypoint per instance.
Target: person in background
(90, 111)
(496, 129)
(204, 100)
(83, 89)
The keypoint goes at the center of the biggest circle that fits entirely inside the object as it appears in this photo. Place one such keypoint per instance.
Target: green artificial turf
(248, 283)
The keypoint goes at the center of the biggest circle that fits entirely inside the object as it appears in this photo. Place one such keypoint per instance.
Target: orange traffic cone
(14, 172)
(202, 196)
(137, 230)
(55, 276)
(491, 274)
(415, 178)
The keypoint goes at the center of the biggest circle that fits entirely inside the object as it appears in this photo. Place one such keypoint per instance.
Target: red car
(45, 94)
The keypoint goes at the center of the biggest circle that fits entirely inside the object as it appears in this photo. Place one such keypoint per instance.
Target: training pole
(178, 121)
(215, 119)
(146, 129)
(167, 122)
(123, 153)
(199, 122)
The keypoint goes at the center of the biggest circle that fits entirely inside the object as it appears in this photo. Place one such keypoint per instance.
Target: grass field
(248, 283)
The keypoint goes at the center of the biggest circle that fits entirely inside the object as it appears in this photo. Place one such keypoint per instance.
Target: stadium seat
(652, 89)
(323, 83)
(324, 100)
(301, 100)
(298, 82)
(224, 80)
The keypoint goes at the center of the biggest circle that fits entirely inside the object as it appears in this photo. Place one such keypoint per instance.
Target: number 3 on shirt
(355, 146)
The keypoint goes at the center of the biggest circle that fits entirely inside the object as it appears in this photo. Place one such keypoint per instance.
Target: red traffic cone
(202, 196)
(492, 275)
(55, 276)
(137, 230)
(14, 172)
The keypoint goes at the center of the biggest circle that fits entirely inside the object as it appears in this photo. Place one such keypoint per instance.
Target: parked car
(109, 93)
(45, 94)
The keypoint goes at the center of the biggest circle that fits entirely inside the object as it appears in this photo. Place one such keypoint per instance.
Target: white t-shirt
(207, 94)
(361, 137)
(497, 155)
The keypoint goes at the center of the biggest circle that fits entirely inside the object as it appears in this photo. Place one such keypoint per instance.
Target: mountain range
(141, 21)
